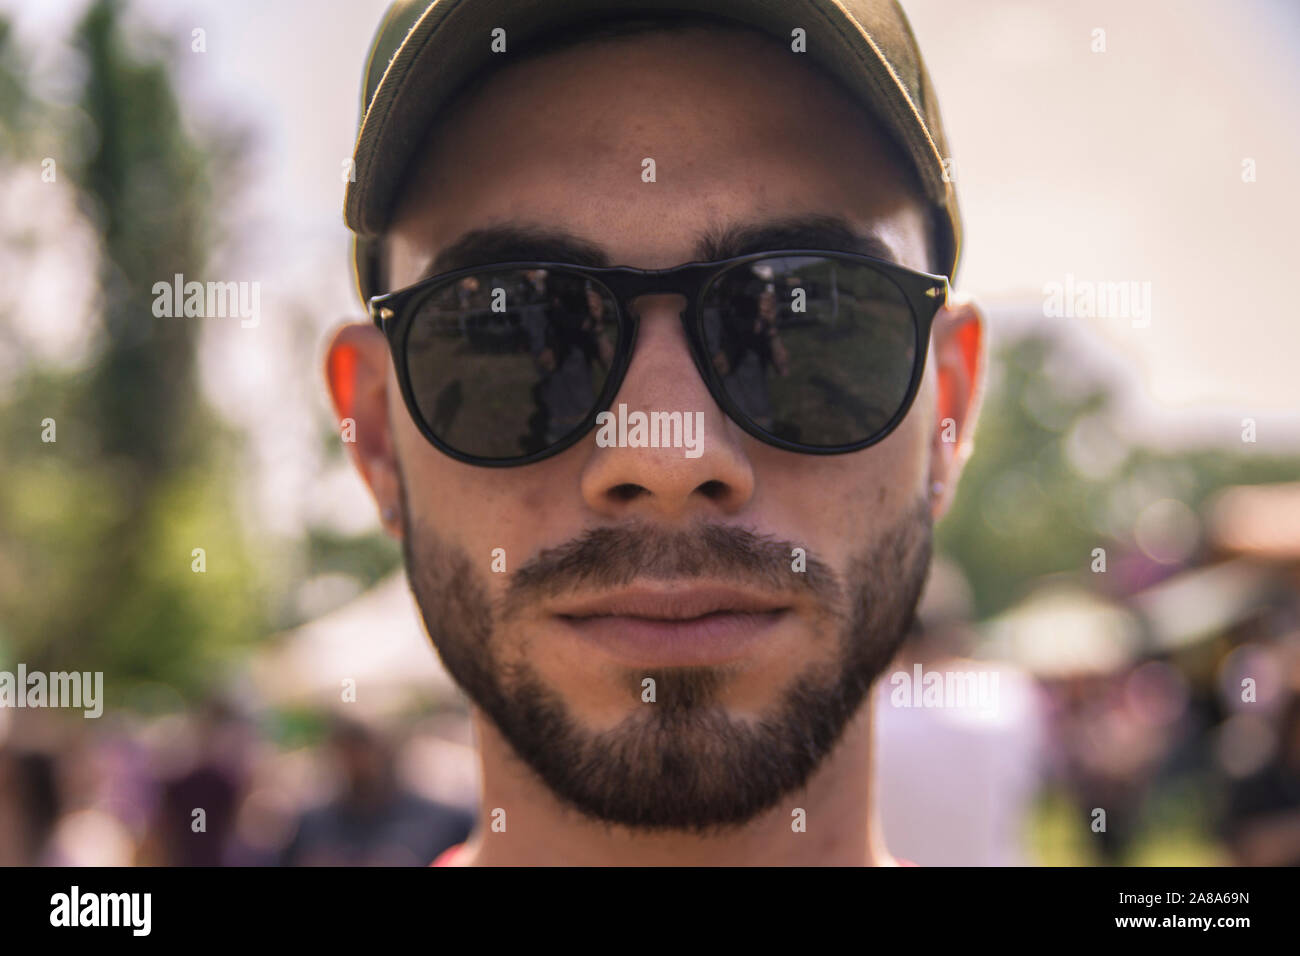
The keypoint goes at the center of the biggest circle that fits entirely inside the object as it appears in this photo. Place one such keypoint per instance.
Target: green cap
(424, 51)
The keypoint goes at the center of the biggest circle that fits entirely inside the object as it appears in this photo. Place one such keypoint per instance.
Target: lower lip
(712, 639)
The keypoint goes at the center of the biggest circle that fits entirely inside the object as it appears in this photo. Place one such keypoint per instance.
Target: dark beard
(682, 763)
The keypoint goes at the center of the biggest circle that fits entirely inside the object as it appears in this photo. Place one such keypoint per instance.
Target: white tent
(1063, 630)
(376, 641)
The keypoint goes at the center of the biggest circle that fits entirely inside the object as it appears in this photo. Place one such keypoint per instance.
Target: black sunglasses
(811, 351)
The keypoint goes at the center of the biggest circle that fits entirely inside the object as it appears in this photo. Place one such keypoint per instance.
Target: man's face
(600, 544)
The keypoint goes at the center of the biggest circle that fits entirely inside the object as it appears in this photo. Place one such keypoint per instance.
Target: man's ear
(959, 358)
(356, 371)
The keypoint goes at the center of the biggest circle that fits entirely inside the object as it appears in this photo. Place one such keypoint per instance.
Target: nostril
(713, 489)
(626, 491)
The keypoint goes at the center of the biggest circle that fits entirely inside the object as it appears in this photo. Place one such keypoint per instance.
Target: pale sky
(1118, 166)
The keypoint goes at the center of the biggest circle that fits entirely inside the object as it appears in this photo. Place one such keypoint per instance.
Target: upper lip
(671, 603)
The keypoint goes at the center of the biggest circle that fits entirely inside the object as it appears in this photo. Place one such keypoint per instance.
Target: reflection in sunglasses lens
(505, 364)
(814, 350)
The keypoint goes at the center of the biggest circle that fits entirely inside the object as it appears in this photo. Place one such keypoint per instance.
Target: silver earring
(936, 489)
(390, 514)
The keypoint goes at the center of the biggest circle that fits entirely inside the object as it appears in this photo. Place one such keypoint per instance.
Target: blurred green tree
(98, 529)
(1051, 476)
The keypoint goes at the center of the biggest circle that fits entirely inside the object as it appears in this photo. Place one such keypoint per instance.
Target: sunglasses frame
(924, 293)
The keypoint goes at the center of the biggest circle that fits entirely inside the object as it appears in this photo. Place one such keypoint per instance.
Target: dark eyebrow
(831, 233)
(481, 247)
(513, 243)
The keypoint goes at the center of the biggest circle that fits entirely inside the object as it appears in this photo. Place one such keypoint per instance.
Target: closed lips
(671, 605)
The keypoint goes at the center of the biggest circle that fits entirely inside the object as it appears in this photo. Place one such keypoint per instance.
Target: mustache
(611, 557)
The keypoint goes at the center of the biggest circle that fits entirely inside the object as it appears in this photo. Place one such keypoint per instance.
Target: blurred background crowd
(1138, 599)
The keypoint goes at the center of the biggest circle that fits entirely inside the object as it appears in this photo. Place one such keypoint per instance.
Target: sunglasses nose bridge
(644, 301)
(686, 293)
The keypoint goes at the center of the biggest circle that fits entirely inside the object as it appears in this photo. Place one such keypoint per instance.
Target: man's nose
(700, 466)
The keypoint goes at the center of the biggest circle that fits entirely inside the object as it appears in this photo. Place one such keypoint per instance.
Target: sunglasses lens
(509, 363)
(813, 350)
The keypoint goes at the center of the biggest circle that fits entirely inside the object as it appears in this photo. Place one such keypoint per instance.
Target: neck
(839, 826)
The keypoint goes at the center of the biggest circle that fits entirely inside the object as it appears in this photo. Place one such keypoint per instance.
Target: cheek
(838, 502)
(901, 463)
(478, 510)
